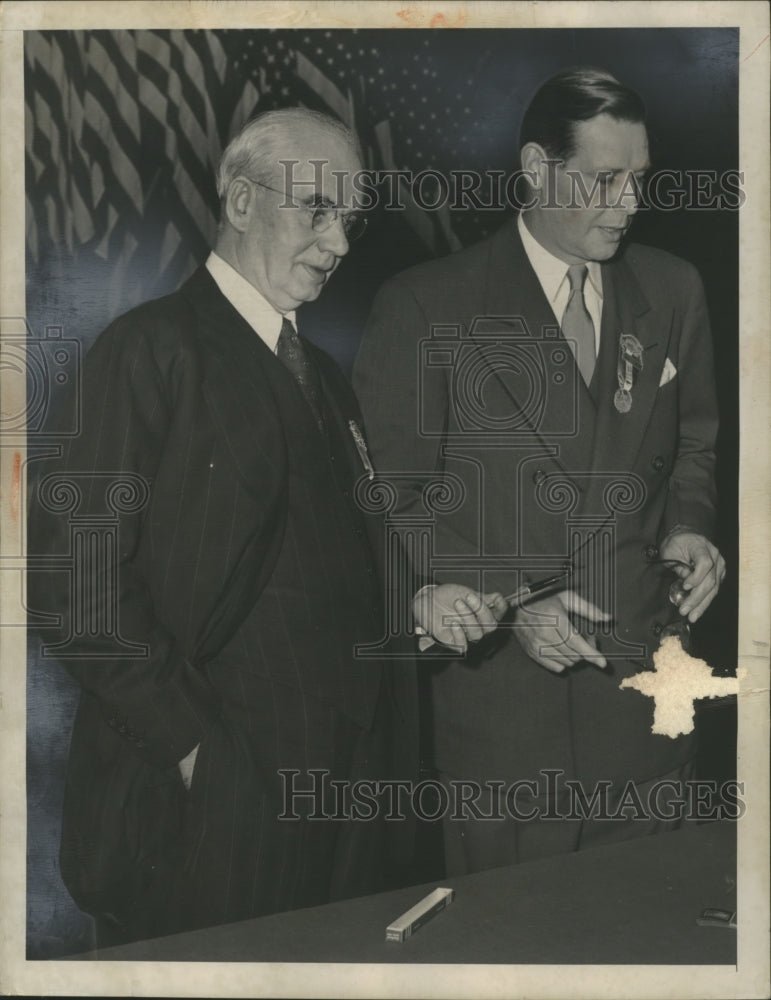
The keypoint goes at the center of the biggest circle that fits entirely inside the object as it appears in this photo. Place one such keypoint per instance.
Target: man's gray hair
(254, 151)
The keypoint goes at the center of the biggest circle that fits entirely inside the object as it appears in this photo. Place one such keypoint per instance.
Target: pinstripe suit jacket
(180, 393)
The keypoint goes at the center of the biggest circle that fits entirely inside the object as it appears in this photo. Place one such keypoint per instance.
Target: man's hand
(455, 615)
(559, 645)
(187, 766)
(704, 577)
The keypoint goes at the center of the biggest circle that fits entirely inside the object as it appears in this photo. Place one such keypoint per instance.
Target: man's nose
(629, 196)
(334, 239)
(630, 204)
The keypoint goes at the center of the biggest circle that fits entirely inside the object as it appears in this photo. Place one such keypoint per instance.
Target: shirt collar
(550, 270)
(248, 301)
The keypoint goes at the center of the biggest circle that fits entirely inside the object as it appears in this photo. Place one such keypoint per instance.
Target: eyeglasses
(324, 215)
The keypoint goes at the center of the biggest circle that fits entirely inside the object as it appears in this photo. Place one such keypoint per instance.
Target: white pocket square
(668, 373)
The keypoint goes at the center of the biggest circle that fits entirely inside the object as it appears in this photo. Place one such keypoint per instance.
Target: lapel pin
(361, 447)
(630, 360)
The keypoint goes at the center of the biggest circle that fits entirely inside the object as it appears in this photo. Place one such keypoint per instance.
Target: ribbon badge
(630, 360)
(361, 447)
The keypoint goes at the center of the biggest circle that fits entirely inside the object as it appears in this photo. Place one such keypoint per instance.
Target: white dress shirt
(245, 299)
(552, 273)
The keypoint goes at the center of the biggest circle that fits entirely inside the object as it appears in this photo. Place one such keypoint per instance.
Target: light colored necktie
(291, 351)
(577, 325)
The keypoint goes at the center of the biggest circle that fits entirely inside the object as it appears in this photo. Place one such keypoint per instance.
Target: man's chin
(608, 243)
(305, 291)
(311, 283)
(607, 250)
(310, 293)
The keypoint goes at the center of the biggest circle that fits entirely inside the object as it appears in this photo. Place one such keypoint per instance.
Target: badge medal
(630, 360)
(361, 447)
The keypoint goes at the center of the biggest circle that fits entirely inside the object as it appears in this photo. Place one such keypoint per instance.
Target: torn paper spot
(678, 679)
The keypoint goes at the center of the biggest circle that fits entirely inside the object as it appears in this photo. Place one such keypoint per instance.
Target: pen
(523, 594)
(515, 600)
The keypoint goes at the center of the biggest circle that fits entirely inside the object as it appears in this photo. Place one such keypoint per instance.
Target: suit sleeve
(151, 694)
(406, 406)
(692, 496)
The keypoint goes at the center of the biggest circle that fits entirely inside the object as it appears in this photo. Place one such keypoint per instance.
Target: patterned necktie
(577, 324)
(292, 353)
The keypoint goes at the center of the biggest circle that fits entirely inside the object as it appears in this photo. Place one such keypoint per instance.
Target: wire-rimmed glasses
(324, 214)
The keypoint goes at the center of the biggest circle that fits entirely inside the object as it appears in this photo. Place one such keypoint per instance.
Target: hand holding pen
(455, 615)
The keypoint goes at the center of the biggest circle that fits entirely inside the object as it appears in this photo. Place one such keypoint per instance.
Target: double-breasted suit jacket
(464, 375)
(244, 579)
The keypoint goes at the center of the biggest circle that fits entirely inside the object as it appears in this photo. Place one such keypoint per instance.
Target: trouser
(245, 840)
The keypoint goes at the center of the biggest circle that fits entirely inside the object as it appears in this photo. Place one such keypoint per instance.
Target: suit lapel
(340, 407)
(604, 439)
(511, 285)
(549, 392)
(236, 383)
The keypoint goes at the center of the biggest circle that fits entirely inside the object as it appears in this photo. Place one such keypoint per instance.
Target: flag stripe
(124, 130)
(183, 62)
(113, 61)
(244, 109)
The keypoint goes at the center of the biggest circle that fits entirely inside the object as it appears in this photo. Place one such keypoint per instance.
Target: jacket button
(658, 463)
(122, 730)
(657, 628)
(651, 552)
(538, 476)
(141, 744)
(112, 723)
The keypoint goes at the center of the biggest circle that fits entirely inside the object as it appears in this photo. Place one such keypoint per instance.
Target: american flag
(124, 130)
(397, 101)
(121, 143)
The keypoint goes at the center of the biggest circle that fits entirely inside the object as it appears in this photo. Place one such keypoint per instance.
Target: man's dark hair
(572, 96)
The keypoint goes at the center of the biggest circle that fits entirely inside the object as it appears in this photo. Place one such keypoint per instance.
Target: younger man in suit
(564, 377)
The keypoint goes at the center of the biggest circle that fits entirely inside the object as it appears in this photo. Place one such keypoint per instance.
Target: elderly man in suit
(561, 378)
(216, 647)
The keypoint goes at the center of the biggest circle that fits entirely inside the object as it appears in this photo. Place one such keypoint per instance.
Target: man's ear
(534, 159)
(239, 203)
